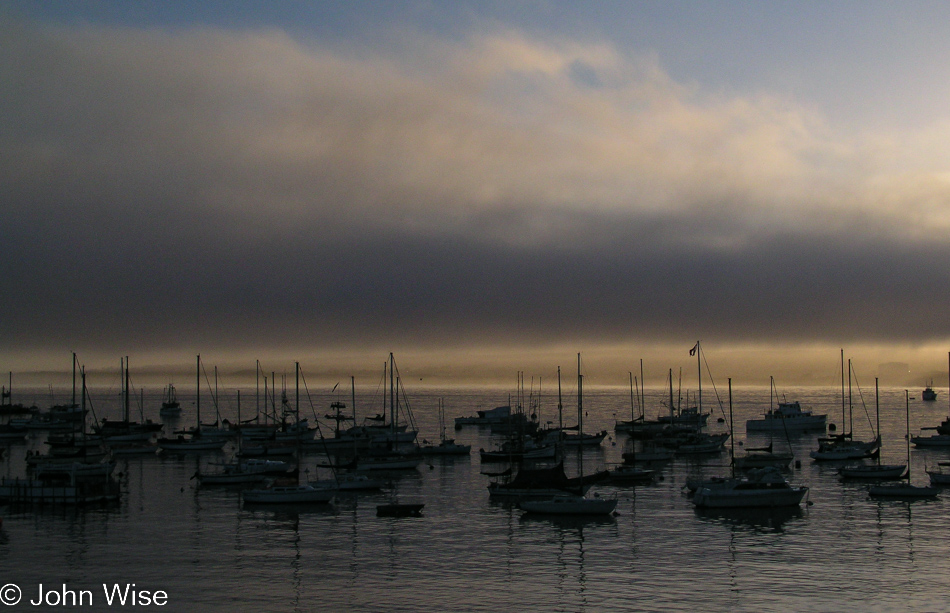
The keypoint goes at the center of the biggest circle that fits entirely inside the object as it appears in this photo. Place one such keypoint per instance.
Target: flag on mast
(693, 350)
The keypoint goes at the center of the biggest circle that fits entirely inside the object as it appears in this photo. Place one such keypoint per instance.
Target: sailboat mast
(257, 382)
(643, 398)
(850, 404)
(732, 439)
(843, 420)
(877, 411)
(699, 374)
(126, 407)
(392, 396)
(538, 405)
(907, 425)
(74, 382)
(671, 392)
(352, 401)
(679, 389)
(198, 394)
(580, 416)
(297, 386)
(632, 413)
(560, 406)
(83, 397)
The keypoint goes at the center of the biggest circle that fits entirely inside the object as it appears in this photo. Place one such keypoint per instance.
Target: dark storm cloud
(174, 189)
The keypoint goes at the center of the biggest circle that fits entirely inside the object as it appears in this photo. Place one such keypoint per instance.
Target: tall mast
(732, 439)
(560, 406)
(198, 394)
(699, 374)
(671, 391)
(850, 404)
(580, 417)
(538, 405)
(392, 395)
(297, 401)
(643, 398)
(877, 410)
(843, 419)
(126, 389)
(633, 416)
(83, 398)
(257, 382)
(907, 424)
(74, 381)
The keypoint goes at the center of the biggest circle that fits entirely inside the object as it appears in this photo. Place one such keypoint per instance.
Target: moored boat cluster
(525, 467)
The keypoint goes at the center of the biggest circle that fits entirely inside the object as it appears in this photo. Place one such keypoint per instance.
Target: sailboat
(629, 472)
(573, 503)
(763, 487)
(876, 471)
(446, 446)
(385, 452)
(904, 490)
(125, 430)
(843, 446)
(691, 415)
(568, 436)
(194, 440)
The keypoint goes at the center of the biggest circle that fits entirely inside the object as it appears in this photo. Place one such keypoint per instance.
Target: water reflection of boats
(771, 519)
(396, 509)
(282, 494)
(576, 522)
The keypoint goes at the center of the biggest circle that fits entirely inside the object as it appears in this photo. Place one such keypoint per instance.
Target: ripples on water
(210, 553)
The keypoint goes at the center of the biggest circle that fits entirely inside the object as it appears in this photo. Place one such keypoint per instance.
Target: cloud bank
(172, 189)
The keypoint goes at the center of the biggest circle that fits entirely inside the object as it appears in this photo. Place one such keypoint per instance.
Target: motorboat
(790, 417)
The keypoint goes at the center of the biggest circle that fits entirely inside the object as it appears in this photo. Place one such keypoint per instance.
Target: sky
(479, 187)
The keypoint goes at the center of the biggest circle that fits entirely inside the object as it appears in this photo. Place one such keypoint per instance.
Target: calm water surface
(209, 552)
